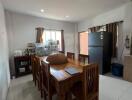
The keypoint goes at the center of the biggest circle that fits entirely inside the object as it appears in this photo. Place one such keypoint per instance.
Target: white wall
(118, 14)
(4, 65)
(105, 18)
(21, 30)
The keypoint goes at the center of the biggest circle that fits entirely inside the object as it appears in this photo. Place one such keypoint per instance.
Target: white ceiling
(57, 9)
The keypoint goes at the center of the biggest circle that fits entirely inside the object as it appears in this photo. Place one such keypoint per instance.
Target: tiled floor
(112, 76)
(111, 87)
(23, 89)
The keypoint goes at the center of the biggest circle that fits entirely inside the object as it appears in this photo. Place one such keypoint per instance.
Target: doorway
(83, 43)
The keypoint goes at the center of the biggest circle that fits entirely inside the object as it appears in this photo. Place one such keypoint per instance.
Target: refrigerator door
(95, 39)
(96, 56)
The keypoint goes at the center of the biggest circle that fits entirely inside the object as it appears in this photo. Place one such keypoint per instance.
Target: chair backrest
(91, 82)
(56, 59)
(33, 66)
(37, 66)
(70, 55)
(83, 58)
(46, 77)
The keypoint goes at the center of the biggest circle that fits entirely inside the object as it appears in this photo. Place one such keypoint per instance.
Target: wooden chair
(33, 68)
(61, 52)
(48, 89)
(83, 58)
(37, 71)
(89, 88)
(70, 55)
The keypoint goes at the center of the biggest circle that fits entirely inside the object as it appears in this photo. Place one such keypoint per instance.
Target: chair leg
(39, 85)
(69, 96)
(41, 89)
(33, 77)
(49, 97)
(45, 96)
(35, 82)
(41, 93)
(97, 98)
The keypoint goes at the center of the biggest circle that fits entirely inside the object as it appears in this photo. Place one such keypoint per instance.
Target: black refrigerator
(100, 50)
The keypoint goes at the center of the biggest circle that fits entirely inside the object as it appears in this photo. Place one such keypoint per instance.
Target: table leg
(61, 96)
(69, 96)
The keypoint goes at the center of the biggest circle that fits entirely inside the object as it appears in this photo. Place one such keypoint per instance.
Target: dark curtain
(95, 29)
(39, 38)
(112, 27)
(62, 41)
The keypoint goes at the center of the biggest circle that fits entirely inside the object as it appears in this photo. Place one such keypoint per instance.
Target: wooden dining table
(62, 80)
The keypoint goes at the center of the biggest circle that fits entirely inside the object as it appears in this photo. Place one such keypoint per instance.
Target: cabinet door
(127, 74)
(22, 65)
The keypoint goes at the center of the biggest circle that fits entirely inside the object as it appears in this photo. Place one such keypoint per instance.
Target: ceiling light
(42, 10)
(67, 16)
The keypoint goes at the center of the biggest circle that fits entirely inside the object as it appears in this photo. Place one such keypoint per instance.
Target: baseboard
(7, 92)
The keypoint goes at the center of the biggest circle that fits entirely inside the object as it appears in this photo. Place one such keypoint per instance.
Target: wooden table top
(58, 72)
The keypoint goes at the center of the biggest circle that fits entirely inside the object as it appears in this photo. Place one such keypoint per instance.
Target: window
(102, 28)
(52, 35)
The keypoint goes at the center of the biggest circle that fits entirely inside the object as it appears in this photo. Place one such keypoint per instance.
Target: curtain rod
(48, 29)
(52, 29)
(121, 21)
